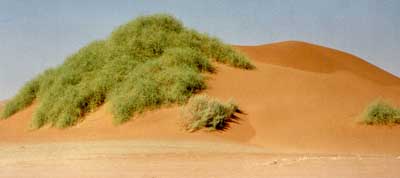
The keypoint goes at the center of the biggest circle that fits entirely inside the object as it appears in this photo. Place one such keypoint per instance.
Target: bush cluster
(148, 62)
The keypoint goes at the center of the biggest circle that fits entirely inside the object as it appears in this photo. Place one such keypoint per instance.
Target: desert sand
(301, 110)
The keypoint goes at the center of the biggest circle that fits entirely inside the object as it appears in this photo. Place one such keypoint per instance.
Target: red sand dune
(301, 98)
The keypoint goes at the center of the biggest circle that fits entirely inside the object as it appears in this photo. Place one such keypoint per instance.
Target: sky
(35, 35)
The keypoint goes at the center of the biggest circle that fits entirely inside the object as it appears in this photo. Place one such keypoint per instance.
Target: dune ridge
(300, 98)
(310, 57)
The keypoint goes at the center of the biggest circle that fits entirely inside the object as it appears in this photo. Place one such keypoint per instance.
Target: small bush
(148, 62)
(380, 112)
(205, 112)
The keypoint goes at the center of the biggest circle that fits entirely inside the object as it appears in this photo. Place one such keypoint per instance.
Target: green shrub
(25, 97)
(380, 112)
(205, 112)
(144, 64)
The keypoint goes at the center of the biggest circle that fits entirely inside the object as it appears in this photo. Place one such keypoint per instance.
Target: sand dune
(292, 107)
(302, 98)
(301, 108)
(309, 57)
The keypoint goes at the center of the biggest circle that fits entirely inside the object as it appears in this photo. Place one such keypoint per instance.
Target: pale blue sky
(37, 34)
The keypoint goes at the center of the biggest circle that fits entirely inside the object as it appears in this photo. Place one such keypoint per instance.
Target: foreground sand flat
(301, 109)
(172, 159)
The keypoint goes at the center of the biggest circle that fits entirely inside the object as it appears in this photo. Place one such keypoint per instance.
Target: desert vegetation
(203, 111)
(381, 112)
(149, 62)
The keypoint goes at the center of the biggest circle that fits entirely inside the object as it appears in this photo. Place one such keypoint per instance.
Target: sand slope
(301, 98)
(313, 58)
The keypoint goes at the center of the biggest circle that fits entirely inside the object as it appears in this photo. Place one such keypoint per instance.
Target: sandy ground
(301, 106)
(171, 159)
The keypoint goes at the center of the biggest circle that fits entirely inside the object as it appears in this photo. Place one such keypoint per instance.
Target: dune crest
(314, 58)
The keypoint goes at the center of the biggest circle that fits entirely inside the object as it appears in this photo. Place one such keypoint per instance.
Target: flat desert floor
(171, 159)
